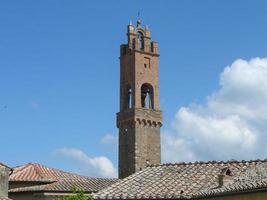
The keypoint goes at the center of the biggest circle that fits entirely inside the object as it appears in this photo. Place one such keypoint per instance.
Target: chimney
(225, 177)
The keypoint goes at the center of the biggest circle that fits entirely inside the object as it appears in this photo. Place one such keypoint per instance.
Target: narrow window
(129, 99)
(140, 38)
(146, 62)
(147, 96)
(151, 47)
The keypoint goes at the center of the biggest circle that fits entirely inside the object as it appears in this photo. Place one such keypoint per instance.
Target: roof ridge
(51, 168)
(36, 167)
(208, 162)
(89, 178)
(72, 173)
(21, 167)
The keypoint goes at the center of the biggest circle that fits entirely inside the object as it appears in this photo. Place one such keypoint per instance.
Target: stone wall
(4, 176)
(139, 139)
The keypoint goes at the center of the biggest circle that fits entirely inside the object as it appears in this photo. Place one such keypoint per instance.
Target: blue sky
(59, 72)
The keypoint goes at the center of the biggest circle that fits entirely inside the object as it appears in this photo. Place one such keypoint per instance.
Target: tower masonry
(140, 118)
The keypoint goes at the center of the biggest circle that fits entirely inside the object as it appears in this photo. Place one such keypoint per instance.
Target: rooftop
(55, 180)
(179, 181)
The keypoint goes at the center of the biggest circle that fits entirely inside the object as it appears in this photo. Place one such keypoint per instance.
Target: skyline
(55, 55)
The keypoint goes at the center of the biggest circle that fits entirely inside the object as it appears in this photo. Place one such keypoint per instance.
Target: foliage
(77, 195)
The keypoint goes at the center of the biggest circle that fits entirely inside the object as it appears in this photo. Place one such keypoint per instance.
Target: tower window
(140, 39)
(129, 99)
(147, 96)
(151, 47)
(146, 62)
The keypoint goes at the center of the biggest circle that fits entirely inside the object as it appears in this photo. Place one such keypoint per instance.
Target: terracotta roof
(254, 178)
(179, 181)
(40, 173)
(55, 180)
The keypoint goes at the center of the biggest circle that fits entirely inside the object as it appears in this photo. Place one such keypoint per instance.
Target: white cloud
(109, 139)
(231, 125)
(97, 166)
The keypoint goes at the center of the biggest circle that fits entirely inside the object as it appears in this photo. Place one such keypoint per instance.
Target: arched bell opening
(147, 96)
(140, 39)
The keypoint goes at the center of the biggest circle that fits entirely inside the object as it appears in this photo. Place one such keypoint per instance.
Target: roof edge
(208, 162)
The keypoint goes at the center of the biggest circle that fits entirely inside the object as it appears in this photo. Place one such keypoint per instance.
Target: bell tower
(139, 119)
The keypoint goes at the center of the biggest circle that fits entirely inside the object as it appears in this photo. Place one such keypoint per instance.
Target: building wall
(53, 195)
(249, 196)
(147, 139)
(37, 195)
(139, 139)
(25, 196)
(19, 184)
(4, 176)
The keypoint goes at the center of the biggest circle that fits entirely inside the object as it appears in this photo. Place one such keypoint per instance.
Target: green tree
(77, 195)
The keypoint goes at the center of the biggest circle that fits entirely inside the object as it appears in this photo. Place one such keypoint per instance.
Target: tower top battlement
(139, 39)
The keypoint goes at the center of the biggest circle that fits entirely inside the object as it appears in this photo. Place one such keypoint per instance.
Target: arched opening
(140, 39)
(147, 97)
(129, 98)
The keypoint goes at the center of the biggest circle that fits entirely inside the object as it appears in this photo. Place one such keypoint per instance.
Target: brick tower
(139, 119)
